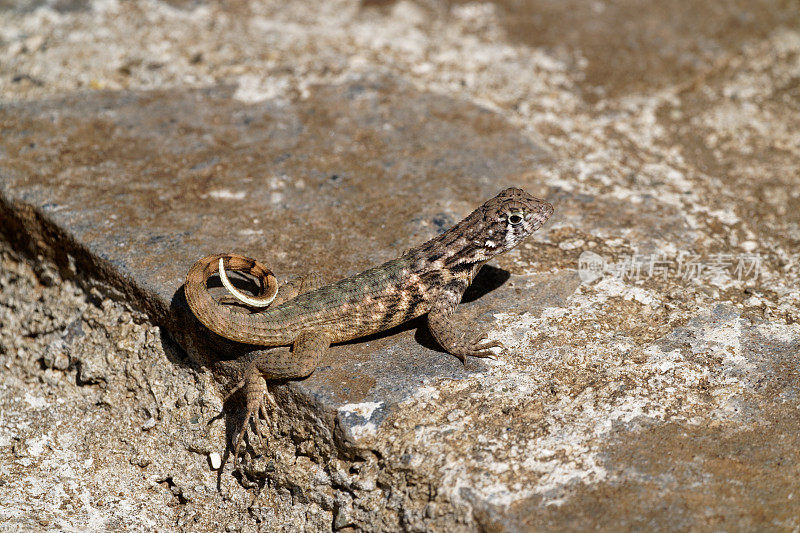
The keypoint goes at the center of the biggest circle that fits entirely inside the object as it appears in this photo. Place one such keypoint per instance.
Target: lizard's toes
(484, 353)
(264, 419)
(257, 414)
(257, 397)
(480, 347)
(239, 438)
(269, 399)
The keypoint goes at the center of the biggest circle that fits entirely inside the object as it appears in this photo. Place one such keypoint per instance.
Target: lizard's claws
(481, 347)
(257, 396)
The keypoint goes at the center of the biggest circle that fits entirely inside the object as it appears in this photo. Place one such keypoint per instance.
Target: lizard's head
(508, 219)
(495, 227)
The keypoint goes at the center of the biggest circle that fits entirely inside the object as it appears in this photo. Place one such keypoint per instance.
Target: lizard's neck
(459, 251)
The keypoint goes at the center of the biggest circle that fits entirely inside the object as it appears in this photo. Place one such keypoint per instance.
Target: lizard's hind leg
(274, 364)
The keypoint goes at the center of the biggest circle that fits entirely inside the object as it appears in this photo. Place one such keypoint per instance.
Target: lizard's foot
(480, 347)
(257, 396)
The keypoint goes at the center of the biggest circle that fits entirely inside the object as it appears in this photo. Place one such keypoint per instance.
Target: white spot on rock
(215, 460)
(227, 194)
(363, 411)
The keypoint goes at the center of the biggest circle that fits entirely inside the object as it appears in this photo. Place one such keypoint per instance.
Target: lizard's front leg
(442, 326)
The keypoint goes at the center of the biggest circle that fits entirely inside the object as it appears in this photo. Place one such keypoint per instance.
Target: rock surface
(652, 375)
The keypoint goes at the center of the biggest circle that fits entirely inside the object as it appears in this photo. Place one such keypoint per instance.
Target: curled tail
(215, 317)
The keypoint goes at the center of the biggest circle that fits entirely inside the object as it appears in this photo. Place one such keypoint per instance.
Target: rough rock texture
(652, 378)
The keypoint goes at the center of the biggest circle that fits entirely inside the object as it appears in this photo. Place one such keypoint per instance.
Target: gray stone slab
(145, 183)
(640, 400)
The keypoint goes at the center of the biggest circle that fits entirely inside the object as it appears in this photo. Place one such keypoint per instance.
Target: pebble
(215, 460)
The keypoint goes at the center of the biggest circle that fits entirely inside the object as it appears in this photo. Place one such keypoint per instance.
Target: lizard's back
(372, 301)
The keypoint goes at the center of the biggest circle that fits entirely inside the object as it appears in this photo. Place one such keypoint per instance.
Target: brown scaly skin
(430, 278)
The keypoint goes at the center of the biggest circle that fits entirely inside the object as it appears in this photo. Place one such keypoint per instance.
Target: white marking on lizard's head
(510, 217)
(510, 239)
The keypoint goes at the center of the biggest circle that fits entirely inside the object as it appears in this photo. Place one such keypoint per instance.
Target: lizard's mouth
(542, 215)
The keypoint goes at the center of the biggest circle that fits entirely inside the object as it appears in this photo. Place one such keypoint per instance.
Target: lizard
(429, 278)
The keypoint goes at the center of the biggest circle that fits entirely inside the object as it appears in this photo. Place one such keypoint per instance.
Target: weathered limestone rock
(651, 380)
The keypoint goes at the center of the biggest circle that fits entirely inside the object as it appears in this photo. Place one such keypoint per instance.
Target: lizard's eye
(515, 219)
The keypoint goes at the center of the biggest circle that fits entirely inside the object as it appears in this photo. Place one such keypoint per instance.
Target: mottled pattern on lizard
(430, 278)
